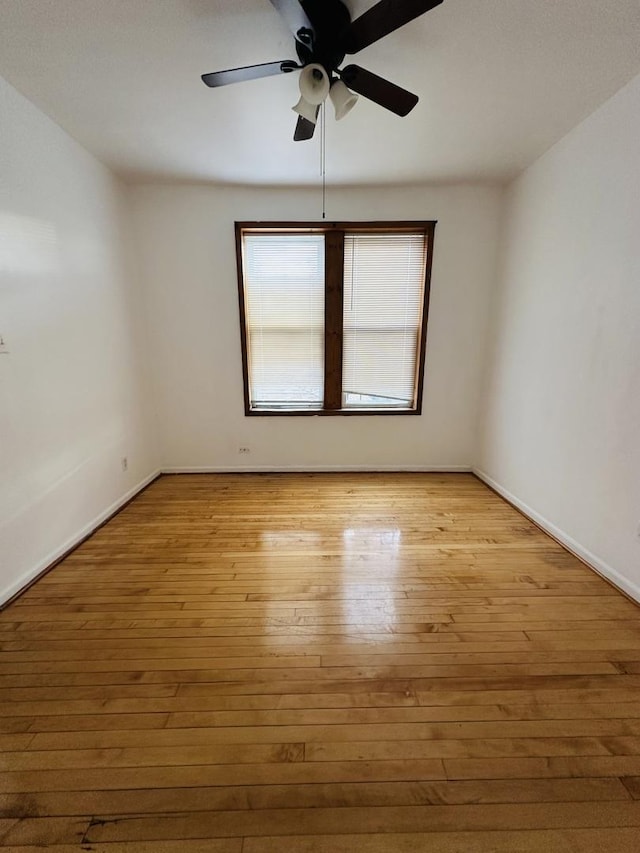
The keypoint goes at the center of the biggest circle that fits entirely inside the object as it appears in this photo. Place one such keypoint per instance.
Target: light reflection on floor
(362, 603)
(356, 582)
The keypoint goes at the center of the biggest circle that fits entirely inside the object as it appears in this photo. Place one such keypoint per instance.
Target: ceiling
(499, 82)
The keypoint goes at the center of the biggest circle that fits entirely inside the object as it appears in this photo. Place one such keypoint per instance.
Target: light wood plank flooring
(320, 664)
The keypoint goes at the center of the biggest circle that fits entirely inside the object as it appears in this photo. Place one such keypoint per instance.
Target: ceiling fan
(324, 34)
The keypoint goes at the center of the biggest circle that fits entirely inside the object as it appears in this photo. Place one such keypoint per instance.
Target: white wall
(562, 420)
(71, 402)
(186, 238)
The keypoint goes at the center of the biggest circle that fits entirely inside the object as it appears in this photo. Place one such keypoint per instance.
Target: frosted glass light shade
(343, 99)
(314, 83)
(306, 110)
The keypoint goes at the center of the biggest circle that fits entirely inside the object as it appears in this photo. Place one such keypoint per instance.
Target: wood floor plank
(537, 768)
(558, 841)
(102, 692)
(180, 775)
(477, 818)
(339, 795)
(153, 756)
(210, 845)
(320, 663)
(339, 734)
(101, 722)
(45, 830)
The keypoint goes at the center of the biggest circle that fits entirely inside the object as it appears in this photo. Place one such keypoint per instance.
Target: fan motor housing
(330, 19)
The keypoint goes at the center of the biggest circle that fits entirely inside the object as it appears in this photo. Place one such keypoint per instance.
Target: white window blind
(383, 299)
(284, 305)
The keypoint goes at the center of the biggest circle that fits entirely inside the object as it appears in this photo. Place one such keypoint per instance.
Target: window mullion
(333, 313)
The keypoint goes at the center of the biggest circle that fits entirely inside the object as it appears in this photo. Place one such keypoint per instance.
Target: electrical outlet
(638, 532)
(244, 450)
(4, 349)
(125, 463)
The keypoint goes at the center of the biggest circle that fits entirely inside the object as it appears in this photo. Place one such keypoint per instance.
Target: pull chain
(323, 154)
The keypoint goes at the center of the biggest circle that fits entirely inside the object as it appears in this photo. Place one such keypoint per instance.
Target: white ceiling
(499, 82)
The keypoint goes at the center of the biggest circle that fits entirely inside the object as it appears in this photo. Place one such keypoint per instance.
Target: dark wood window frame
(334, 233)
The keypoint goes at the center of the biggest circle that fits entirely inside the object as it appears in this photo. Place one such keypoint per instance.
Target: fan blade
(304, 129)
(249, 72)
(297, 20)
(377, 89)
(382, 19)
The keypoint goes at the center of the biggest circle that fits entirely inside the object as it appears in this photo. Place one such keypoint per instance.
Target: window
(334, 316)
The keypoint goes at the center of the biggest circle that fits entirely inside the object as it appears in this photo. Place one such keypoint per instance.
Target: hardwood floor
(320, 664)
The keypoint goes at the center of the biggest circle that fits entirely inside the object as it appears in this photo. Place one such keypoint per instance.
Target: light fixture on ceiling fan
(315, 84)
(324, 34)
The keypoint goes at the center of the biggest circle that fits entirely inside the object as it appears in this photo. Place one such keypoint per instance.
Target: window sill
(328, 412)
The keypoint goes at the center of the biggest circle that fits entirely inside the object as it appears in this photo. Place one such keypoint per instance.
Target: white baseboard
(592, 560)
(312, 469)
(14, 588)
